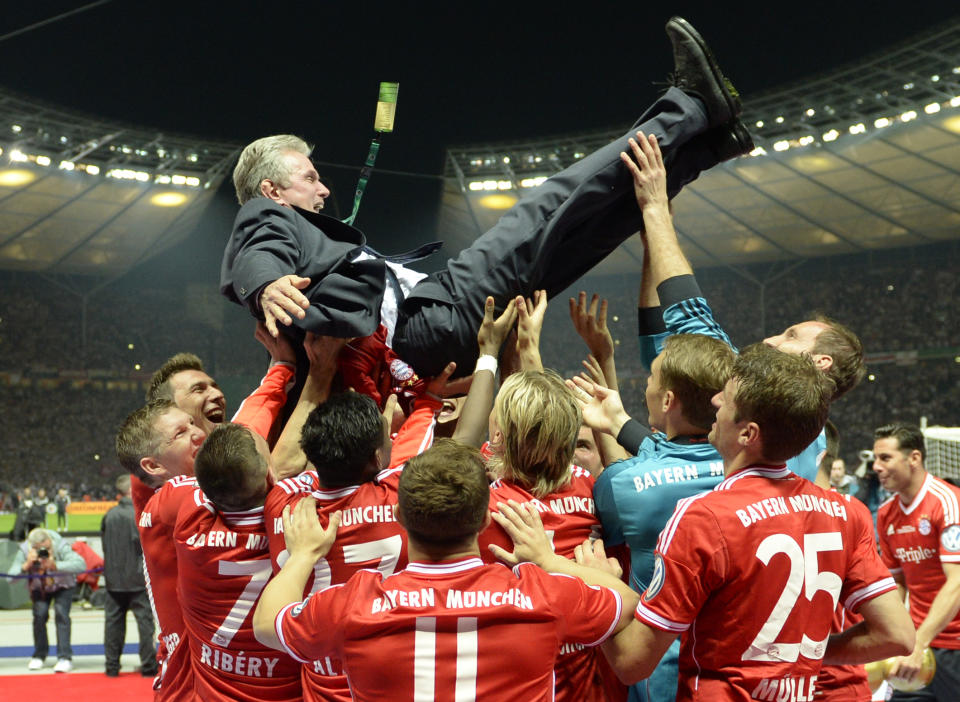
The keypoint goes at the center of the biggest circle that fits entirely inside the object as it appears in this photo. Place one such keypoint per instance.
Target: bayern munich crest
(923, 526)
(658, 577)
(400, 370)
(950, 538)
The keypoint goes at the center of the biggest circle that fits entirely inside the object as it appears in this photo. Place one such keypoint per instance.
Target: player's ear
(151, 466)
(667, 401)
(270, 190)
(750, 435)
(823, 361)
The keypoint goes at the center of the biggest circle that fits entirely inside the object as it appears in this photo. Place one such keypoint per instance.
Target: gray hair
(263, 160)
(38, 535)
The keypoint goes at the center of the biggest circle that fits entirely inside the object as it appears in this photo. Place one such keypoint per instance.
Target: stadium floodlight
(177, 179)
(67, 165)
(782, 145)
(16, 128)
(476, 185)
(806, 140)
(831, 135)
(881, 123)
(43, 160)
(168, 199)
(504, 185)
(858, 128)
(810, 112)
(193, 181)
(18, 155)
(93, 170)
(758, 151)
(779, 119)
(955, 101)
(759, 124)
(908, 116)
(489, 185)
(932, 108)
(935, 79)
(506, 159)
(579, 155)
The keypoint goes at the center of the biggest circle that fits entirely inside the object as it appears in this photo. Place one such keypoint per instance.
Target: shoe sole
(729, 93)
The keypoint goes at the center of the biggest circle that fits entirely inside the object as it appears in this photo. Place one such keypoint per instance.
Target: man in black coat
(290, 263)
(125, 584)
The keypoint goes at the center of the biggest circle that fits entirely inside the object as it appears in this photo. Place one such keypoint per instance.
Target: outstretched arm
(472, 425)
(306, 542)
(591, 324)
(650, 187)
(530, 314)
(288, 457)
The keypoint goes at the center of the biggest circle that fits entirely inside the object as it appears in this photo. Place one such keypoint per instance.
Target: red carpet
(56, 688)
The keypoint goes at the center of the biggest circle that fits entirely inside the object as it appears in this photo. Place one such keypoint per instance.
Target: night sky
(468, 72)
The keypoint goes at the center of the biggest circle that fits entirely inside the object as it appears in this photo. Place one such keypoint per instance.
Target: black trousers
(115, 607)
(548, 240)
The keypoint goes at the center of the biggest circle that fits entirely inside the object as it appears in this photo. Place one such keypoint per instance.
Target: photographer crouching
(51, 563)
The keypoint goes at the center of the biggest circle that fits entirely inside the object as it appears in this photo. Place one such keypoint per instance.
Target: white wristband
(486, 362)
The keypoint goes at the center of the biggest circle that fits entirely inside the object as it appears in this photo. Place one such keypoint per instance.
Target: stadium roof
(865, 157)
(83, 195)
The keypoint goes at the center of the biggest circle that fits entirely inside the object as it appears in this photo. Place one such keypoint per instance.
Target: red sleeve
(867, 576)
(311, 629)
(361, 364)
(259, 411)
(588, 614)
(416, 434)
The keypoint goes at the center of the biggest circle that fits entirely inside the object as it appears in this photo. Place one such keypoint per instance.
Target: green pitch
(75, 522)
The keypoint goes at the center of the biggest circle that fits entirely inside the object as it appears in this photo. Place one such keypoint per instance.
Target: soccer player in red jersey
(158, 444)
(224, 564)
(751, 572)
(447, 626)
(919, 530)
(533, 435)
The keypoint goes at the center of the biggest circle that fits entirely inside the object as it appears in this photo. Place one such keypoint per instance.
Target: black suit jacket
(269, 241)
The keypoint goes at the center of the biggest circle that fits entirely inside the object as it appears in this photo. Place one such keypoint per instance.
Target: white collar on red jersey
(446, 567)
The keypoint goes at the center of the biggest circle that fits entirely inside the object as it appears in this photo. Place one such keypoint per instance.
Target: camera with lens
(43, 553)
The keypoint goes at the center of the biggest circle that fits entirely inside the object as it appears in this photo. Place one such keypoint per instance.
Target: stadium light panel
(859, 128)
(759, 124)
(168, 199)
(165, 180)
(18, 156)
(934, 79)
(15, 178)
(476, 185)
(16, 128)
(881, 123)
(908, 116)
(758, 151)
(506, 159)
(955, 101)
(504, 185)
(806, 140)
(93, 170)
(193, 181)
(779, 120)
(932, 108)
(782, 145)
(498, 201)
(67, 165)
(810, 112)
(908, 86)
(43, 160)
(178, 180)
(831, 135)
(489, 185)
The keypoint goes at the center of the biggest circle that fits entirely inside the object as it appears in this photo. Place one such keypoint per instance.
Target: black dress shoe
(696, 71)
(730, 140)
(112, 673)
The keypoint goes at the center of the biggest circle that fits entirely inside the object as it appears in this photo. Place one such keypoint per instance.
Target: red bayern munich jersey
(224, 564)
(845, 683)
(751, 573)
(155, 522)
(568, 516)
(369, 535)
(915, 539)
(457, 630)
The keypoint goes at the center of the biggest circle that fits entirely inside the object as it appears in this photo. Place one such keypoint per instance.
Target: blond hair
(539, 418)
(695, 368)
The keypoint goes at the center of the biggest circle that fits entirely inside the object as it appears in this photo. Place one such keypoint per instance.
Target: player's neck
(428, 553)
(913, 489)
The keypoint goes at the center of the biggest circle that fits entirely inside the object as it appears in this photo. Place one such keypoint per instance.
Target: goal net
(943, 451)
